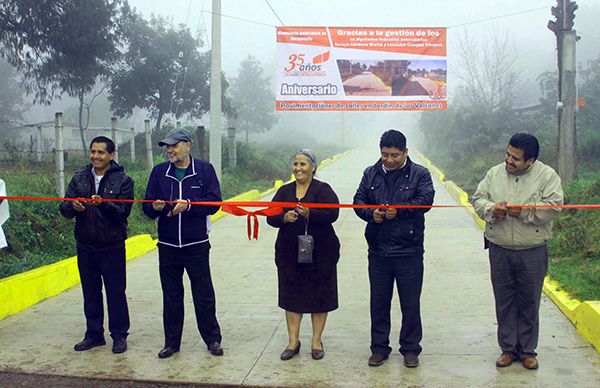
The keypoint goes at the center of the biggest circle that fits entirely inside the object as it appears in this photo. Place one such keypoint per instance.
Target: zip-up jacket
(199, 184)
(404, 234)
(104, 226)
(539, 185)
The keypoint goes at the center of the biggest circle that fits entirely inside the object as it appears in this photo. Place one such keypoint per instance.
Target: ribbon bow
(238, 211)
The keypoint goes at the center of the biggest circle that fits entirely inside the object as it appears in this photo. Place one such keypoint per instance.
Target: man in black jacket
(183, 238)
(395, 241)
(101, 231)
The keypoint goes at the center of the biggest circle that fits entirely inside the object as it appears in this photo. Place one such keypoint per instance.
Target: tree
(548, 83)
(486, 67)
(12, 105)
(589, 90)
(23, 29)
(162, 71)
(60, 46)
(253, 100)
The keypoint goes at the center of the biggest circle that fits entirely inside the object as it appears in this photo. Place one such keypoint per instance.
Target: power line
(497, 17)
(177, 75)
(185, 69)
(304, 10)
(335, 12)
(275, 13)
(187, 18)
(452, 26)
(241, 19)
(204, 26)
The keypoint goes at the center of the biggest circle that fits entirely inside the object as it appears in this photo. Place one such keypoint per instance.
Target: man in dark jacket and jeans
(395, 240)
(100, 231)
(183, 239)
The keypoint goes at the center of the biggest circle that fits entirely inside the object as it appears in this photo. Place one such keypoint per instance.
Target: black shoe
(411, 360)
(88, 343)
(289, 353)
(317, 354)
(377, 359)
(167, 352)
(215, 349)
(119, 345)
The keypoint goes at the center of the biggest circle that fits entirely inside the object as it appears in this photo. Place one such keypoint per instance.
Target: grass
(575, 246)
(579, 277)
(39, 235)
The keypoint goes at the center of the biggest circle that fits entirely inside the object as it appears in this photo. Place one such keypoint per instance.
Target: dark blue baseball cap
(175, 136)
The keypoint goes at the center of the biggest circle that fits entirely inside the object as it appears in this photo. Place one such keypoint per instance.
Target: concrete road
(413, 88)
(365, 84)
(459, 346)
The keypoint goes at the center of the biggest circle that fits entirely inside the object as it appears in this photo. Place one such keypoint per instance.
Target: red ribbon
(237, 211)
(275, 208)
(292, 204)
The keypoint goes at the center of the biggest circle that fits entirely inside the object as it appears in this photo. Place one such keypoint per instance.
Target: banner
(361, 68)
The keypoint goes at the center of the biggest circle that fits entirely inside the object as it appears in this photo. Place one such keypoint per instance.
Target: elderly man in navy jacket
(395, 240)
(183, 238)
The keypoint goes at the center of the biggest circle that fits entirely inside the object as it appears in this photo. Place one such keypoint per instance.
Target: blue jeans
(407, 271)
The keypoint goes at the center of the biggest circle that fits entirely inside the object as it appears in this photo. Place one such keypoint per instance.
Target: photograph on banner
(361, 68)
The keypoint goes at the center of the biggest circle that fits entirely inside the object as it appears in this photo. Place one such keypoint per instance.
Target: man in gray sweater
(516, 232)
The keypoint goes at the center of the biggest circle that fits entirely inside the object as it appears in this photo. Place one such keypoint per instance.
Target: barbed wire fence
(53, 143)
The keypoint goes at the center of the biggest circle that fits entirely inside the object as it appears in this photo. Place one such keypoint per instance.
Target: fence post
(60, 155)
(38, 135)
(201, 132)
(114, 136)
(132, 144)
(148, 137)
(232, 147)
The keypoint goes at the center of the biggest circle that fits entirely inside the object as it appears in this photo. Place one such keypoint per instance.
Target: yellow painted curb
(584, 315)
(248, 196)
(323, 164)
(457, 193)
(587, 321)
(278, 183)
(23, 290)
(426, 162)
(561, 298)
(436, 172)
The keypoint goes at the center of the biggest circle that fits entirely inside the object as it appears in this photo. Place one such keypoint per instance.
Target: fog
(248, 27)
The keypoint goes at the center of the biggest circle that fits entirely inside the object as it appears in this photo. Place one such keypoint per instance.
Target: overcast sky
(240, 38)
(524, 20)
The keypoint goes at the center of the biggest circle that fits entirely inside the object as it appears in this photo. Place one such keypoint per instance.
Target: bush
(39, 235)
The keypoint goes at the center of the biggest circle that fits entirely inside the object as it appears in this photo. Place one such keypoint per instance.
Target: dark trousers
(408, 273)
(517, 279)
(194, 260)
(94, 268)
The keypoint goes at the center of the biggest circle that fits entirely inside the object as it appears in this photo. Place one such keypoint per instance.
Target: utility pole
(343, 129)
(566, 39)
(60, 154)
(215, 89)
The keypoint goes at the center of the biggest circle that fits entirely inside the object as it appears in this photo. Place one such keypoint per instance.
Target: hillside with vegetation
(468, 139)
(38, 235)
